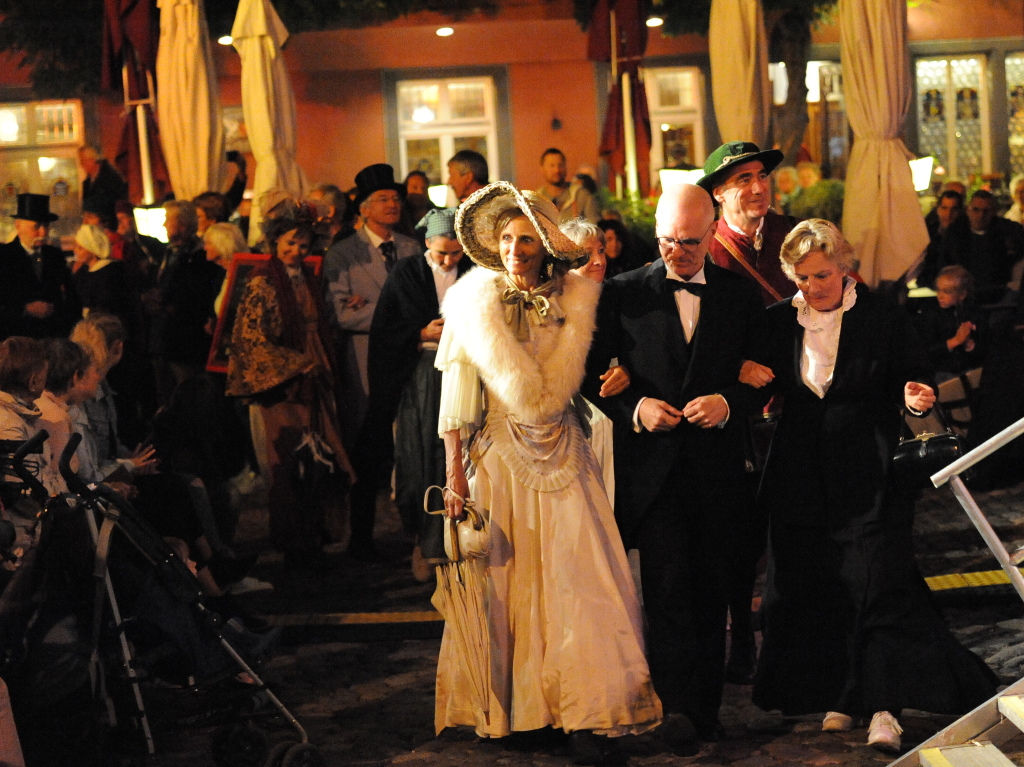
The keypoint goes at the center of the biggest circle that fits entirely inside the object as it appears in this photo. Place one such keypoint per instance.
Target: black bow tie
(696, 288)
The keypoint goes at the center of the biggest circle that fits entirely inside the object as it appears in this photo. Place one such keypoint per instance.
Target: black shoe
(678, 734)
(741, 667)
(712, 734)
(585, 748)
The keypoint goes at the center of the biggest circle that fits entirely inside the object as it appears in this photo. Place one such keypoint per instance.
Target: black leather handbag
(916, 459)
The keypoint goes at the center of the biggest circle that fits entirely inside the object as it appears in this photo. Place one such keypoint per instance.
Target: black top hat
(35, 207)
(719, 164)
(373, 178)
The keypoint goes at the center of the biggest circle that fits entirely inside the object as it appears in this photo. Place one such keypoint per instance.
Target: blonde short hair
(87, 335)
(98, 334)
(579, 230)
(815, 234)
(226, 239)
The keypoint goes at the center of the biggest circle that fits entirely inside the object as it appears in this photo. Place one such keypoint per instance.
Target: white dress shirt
(821, 339)
(687, 303)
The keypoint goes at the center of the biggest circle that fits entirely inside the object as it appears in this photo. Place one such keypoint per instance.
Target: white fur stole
(536, 391)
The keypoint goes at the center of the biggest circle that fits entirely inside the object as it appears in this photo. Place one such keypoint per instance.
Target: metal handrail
(982, 451)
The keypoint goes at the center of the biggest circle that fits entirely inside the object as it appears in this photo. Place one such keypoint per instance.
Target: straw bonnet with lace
(475, 221)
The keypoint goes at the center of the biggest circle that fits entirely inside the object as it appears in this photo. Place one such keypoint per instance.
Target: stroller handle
(75, 483)
(31, 446)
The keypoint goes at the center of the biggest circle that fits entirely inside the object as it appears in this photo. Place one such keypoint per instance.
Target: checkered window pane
(931, 109)
(1015, 105)
(966, 76)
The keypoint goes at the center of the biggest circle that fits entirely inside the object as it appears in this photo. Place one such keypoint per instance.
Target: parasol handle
(475, 517)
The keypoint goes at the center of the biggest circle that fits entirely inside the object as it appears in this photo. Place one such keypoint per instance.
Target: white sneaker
(836, 722)
(884, 733)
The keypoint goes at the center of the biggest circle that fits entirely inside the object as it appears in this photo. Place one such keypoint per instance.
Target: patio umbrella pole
(140, 117)
(615, 77)
(629, 134)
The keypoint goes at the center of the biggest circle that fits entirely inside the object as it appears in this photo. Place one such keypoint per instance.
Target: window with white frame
(38, 154)
(953, 114)
(675, 100)
(439, 117)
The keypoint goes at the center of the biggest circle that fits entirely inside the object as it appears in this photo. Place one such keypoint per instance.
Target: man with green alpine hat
(748, 236)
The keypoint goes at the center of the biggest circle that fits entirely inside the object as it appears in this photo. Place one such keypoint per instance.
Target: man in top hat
(354, 272)
(749, 234)
(37, 296)
(405, 385)
(747, 240)
(682, 327)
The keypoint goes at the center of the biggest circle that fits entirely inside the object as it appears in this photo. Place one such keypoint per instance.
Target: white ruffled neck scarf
(821, 338)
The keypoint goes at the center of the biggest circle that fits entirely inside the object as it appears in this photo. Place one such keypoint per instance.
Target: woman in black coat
(849, 625)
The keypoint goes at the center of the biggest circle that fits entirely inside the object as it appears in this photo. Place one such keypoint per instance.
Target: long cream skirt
(565, 642)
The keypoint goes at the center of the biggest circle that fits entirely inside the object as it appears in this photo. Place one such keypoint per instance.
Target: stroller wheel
(304, 755)
(276, 755)
(239, 745)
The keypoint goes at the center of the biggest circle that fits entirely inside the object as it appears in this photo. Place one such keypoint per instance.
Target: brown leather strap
(753, 272)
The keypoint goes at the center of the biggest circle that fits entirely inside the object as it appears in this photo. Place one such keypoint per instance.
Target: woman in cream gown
(565, 645)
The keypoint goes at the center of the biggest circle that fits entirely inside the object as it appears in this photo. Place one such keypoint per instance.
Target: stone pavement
(365, 691)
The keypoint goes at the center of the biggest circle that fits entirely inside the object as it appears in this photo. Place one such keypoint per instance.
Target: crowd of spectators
(113, 340)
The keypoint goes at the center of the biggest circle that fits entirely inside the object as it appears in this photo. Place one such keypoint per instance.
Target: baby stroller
(165, 630)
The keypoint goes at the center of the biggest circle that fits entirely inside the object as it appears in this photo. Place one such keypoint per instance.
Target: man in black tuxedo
(682, 327)
(37, 297)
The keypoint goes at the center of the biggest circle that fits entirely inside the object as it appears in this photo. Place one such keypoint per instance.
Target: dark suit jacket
(638, 323)
(188, 285)
(20, 286)
(407, 303)
(830, 458)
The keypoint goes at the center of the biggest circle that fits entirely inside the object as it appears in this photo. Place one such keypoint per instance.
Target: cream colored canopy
(188, 100)
(267, 103)
(738, 49)
(881, 215)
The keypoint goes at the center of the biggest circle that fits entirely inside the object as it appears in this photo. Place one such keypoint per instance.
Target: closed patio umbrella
(618, 34)
(881, 215)
(129, 48)
(738, 49)
(188, 100)
(267, 103)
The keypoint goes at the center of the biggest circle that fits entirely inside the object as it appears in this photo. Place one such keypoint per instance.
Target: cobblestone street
(364, 691)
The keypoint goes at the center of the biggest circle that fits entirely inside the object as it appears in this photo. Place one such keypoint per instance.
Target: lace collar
(815, 321)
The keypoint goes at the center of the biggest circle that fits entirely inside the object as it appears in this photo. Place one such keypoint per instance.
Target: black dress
(848, 622)
(105, 290)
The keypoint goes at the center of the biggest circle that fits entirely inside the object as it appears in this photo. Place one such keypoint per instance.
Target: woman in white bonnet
(99, 280)
(564, 630)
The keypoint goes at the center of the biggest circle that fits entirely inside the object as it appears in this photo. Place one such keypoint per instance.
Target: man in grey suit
(354, 271)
